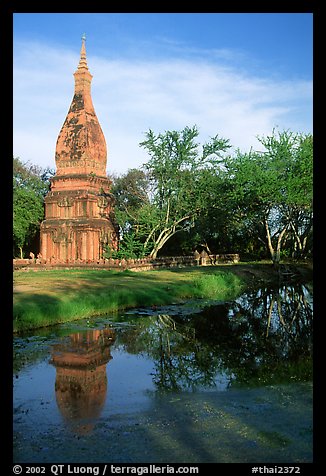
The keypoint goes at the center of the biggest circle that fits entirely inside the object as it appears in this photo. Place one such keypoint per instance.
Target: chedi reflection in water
(81, 380)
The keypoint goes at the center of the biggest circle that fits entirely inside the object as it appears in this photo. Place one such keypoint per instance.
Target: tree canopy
(30, 185)
(272, 190)
(173, 192)
(189, 196)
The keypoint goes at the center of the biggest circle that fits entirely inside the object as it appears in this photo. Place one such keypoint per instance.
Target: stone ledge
(131, 264)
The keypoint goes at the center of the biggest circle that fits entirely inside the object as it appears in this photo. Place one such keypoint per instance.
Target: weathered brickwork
(79, 215)
(141, 264)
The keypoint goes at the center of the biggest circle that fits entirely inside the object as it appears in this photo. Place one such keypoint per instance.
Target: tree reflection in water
(263, 337)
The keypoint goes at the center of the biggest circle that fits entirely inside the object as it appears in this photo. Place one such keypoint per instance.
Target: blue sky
(238, 75)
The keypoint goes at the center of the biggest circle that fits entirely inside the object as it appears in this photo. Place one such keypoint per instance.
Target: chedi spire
(79, 222)
(81, 146)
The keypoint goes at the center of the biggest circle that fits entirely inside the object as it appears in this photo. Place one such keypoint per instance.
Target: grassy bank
(48, 297)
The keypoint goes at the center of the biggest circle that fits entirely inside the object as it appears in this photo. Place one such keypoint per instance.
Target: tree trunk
(161, 242)
(278, 247)
(269, 241)
(21, 252)
(275, 254)
(165, 235)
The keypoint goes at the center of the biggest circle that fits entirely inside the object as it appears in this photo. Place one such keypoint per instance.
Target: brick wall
(132, 264)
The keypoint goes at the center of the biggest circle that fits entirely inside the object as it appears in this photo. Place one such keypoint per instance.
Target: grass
(48, 297)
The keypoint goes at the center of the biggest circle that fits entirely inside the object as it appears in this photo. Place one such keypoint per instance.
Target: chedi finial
(83, 61)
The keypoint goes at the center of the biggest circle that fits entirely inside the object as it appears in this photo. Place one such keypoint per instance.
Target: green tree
(300, 201)
(30, 185)
(176, 170)
(131, 193)
(271, 191)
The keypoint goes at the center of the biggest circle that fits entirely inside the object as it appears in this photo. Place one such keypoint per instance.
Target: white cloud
(131, 96)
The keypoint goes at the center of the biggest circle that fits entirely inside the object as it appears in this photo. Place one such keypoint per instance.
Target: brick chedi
(79, 208)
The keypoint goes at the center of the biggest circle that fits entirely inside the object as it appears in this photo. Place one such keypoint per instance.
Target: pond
(197, 382)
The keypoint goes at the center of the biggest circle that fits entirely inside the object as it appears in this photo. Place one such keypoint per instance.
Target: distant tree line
(189, 196)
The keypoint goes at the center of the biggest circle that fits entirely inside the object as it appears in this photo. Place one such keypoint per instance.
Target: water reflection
(263, 337)
(81, 381)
